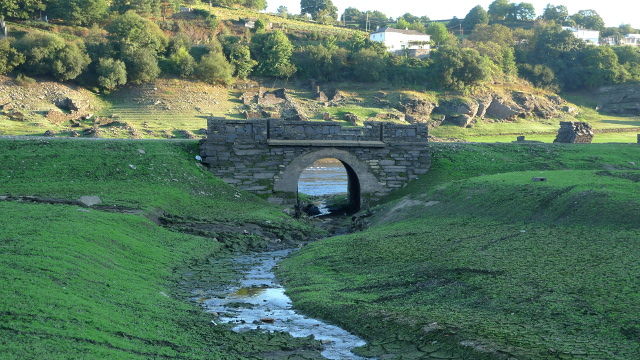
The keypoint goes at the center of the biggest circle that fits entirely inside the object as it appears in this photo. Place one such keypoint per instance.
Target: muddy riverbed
(259, 302)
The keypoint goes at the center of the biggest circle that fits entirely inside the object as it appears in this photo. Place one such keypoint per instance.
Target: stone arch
(361, 180)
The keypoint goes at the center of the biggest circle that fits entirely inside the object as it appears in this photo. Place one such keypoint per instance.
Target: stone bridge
(267, 156)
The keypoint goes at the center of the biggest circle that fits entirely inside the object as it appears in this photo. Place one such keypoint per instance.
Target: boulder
(290, 111)
(337, 96)
(620, 99)
(458, 111)
(502, 109)
(574, 132)
(67, 104)
(327, 117)
(90, 200)
(351, 118)
(16, 115)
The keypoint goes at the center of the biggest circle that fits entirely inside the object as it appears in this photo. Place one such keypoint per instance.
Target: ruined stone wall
(267, 156)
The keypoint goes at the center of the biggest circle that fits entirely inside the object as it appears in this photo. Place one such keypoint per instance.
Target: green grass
(476, 251)
(94, 283)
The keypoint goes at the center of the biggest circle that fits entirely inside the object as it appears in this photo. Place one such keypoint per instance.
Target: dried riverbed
(259, 302)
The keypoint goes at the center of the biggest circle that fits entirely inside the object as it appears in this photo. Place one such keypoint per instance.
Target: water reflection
(324, 177)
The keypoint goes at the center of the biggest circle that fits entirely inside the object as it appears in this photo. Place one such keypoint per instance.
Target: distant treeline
(128, 46)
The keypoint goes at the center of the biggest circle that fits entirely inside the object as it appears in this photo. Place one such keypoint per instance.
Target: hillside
(476, 255)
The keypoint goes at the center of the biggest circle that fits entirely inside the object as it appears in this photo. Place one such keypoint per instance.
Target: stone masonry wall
(267, 156)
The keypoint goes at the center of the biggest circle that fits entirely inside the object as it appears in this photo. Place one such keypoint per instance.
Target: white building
(630, 39)
(398, 40)
(589, 36)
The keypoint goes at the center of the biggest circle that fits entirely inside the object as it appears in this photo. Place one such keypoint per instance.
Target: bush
(215, 69)
(131, 31)
(142, 66)
(369, 65)
(111, 73)
(273, 52)
(181, 63)
(459, 69)
(78, 12)
(240, 58)
(10, 58)
(24, 80)
(48, 54)
(539, 75)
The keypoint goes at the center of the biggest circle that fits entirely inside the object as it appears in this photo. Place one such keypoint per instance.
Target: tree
(368, 65)
(478, 15)
(599, 66)
(48, 54)
(521, 12)
(10, 58)
(182, 63)
(143, 7)
(142, 65)
(283, 11)
(588, 19)
(111, 73)
(240, 58)
(459, 69)
(352, 15)
(78, 12)
(214, 69)
(318, 8)
(273, 52)
(20, 9)
(131, 31)
(539, 75)
(497, 33)
(498, 9)
(559, 13)
(439, 34)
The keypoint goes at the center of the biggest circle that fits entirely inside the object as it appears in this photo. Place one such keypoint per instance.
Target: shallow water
(323, 178)
(259, 302)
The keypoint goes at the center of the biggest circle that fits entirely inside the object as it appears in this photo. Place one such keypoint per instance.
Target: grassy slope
(533, 269)
(85, 283)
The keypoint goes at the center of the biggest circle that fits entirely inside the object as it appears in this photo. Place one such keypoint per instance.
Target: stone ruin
(574, 132)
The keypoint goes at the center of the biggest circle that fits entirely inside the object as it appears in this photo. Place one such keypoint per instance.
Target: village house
(631, 40)
(589, 36)
(399, 41)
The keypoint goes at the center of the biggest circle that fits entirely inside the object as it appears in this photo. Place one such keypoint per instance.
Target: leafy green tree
(215, 69)
(143, 7)
(439, 34)
(629, 58)
(318, 8)
(369, 65)
(130, 31)
(240, 58)
(476, 16)
(521, 12)
(142, 65)
(459, 69)
(182, 63)
(20, 9)
(599, 66)
(559, 13)
(283, 11)
(273, 52)
(111, 73)
(499, 9)
(588, 19)
(320, 62)
(497, 33)
(352, 15)
(78, 12)
(502, 56)
(539, 75)
(10, 58)
(48, 54)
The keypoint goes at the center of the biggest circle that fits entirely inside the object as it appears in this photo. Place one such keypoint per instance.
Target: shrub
(273, 52)
(48, 54)
(131, 31)
(24, 80)
(142, 66)
(240, 58)
(111, 73)
(10, 58)
(181, 63)
(539, 75)
(214, 69)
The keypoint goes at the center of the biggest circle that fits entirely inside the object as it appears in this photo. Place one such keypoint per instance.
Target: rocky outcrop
(463, 111)
(574, 132)
(620, 99)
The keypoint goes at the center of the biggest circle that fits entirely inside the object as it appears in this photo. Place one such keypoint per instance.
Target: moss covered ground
(476, 260)
(109, 281)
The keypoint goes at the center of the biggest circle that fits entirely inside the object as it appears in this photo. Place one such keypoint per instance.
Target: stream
(259, 302)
